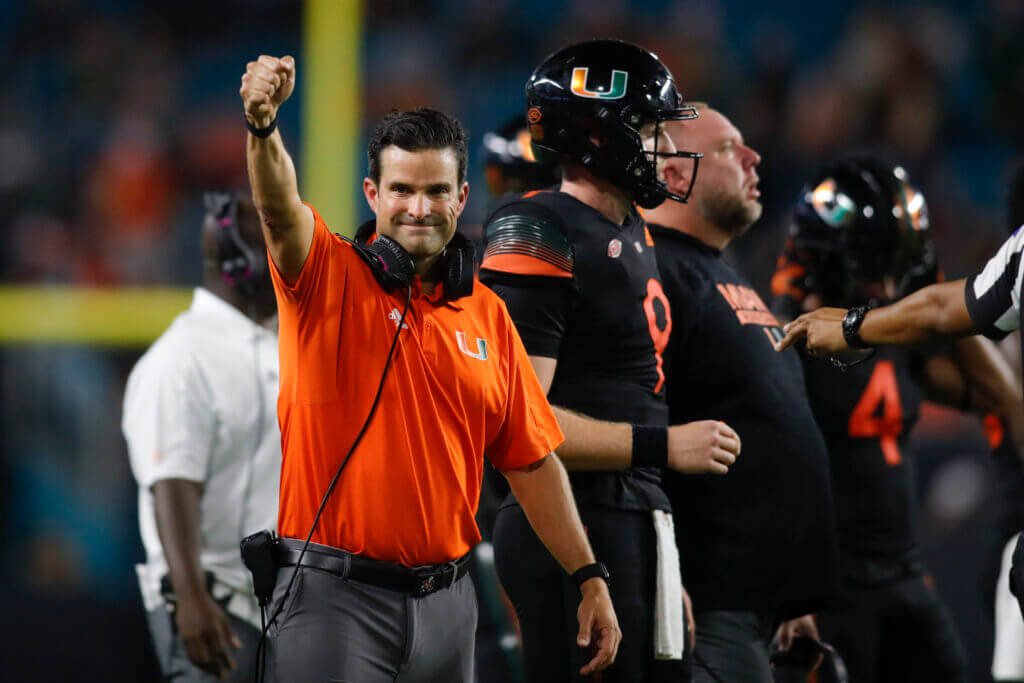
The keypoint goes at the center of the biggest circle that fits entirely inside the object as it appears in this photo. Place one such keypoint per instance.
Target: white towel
(1007, 653)
(668, 598)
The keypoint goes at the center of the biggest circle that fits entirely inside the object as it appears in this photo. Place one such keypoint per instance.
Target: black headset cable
(261, 649)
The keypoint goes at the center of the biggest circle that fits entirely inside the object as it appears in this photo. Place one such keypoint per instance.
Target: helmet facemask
(612, 147)
(655, 157)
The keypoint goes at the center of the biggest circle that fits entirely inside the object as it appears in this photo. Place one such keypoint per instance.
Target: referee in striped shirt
(988, 303)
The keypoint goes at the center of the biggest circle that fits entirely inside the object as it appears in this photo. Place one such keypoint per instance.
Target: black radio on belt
(258, 556)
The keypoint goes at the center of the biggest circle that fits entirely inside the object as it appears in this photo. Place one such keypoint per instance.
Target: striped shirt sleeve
(993, 295)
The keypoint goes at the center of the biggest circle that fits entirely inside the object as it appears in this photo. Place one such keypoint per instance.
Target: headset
(798, 662)
(240, 265)
(803, 654)
(393, 268)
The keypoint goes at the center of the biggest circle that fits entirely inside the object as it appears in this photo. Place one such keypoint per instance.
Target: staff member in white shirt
(201, 426)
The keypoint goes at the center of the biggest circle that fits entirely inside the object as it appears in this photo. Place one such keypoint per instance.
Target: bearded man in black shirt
(576, 267)
(758, 547)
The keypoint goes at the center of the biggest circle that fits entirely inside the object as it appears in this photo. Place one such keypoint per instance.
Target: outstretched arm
(929, 314)
(543, 491)
(287, 222)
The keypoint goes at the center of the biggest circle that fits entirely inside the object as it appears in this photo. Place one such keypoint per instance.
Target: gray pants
(177, 667)
(734, 646)
(343, 631)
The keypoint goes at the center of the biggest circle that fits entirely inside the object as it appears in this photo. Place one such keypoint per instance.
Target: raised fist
(266, 84)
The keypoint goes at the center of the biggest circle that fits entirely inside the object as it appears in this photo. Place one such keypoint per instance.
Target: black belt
(415, 581)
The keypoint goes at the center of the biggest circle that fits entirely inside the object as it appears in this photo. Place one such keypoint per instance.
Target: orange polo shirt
(460, 386)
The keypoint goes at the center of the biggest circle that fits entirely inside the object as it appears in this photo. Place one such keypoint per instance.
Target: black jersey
(586, 291)
(866, 414)
(1009, 476)
(763, 536)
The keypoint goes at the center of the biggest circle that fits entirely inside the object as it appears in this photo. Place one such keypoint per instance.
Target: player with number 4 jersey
(860, 237)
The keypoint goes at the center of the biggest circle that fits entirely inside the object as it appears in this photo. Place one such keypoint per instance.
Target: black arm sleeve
(539, 306)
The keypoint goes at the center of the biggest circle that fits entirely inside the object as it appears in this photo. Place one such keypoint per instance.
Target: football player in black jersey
(758, 546)
(509, 168)
(860, 235)
(576, 267)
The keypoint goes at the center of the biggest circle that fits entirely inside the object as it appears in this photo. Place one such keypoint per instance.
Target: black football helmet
(857, 222)
(509, 162)
(588, 103)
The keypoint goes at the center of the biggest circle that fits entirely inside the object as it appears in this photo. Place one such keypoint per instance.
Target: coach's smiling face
(418, 201)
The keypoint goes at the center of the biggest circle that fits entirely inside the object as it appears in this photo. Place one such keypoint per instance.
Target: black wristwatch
(852, 321)
(589, 571)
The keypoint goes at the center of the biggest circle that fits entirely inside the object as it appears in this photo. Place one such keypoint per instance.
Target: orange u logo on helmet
(617, 89)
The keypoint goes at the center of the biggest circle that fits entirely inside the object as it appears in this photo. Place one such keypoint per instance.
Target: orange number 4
(865, 421)
(658, 336)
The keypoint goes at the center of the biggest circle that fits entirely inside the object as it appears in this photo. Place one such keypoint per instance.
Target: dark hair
(415, 130)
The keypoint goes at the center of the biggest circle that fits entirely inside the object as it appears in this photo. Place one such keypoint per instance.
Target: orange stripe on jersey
(994, 431)
(522, 265)
(782, 281)
(534, 193)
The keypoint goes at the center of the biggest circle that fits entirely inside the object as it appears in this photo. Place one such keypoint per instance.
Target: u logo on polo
(616, 91)
(481, 346)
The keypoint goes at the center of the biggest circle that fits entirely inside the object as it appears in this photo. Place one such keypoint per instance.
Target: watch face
(851, 324)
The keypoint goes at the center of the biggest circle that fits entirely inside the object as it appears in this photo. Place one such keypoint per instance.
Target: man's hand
(795, 628)
(266, 84)
(823, 330)
(702, 447)
(691, 625)
(206, 633)
(598, 625)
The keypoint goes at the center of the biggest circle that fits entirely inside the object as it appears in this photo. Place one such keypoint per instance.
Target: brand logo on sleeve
(615, 91)
(481, 346)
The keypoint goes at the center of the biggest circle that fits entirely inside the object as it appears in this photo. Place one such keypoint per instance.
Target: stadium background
(116, 114)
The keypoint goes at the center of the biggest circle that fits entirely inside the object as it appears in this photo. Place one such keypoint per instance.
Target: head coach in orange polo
(399, 372)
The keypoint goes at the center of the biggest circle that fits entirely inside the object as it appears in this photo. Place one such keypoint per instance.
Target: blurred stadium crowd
(117, 114)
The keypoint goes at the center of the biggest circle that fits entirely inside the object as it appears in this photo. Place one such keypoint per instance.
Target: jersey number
(658, 335)
(882, 395)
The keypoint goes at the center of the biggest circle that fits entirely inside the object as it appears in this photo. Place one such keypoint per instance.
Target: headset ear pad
(459, 267)
(389, 262)
(398, 267)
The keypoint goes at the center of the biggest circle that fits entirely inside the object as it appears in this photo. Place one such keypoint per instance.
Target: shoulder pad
(528, 245)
